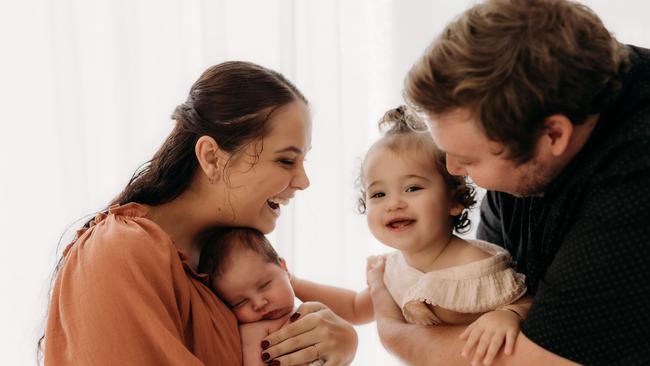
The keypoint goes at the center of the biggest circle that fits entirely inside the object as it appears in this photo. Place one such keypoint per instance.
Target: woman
(127, 290)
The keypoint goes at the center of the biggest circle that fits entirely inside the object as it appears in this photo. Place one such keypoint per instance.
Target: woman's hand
(488, 334)
(315, 332)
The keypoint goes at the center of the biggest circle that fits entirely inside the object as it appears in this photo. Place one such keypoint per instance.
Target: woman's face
(268, 172)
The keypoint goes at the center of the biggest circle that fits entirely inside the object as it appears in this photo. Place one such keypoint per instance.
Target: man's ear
(556, 135)
(210, 157)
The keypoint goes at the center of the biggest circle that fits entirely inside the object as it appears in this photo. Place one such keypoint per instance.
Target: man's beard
(534, 178)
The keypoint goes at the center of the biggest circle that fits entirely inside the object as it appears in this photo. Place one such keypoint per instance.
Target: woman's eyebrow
(290, 149)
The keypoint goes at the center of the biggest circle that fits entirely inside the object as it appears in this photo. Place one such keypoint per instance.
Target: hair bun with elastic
(401, 120)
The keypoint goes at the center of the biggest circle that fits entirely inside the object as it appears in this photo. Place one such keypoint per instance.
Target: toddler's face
(408, 204)
(255, 289)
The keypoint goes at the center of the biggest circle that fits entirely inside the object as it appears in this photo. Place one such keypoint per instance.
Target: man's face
(470, 153)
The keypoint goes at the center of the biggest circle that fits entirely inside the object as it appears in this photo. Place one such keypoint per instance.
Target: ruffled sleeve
(124, 297)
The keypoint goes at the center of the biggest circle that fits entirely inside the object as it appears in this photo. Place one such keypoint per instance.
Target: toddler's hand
(375, 269)
(488, 333)
(419, 313)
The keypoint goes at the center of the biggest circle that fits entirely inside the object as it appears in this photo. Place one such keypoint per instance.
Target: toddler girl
(414, 205)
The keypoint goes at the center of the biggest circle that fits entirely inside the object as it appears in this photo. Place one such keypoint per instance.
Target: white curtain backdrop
(87, 88)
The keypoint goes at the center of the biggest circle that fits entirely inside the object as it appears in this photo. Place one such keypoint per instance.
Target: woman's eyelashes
(287, 162)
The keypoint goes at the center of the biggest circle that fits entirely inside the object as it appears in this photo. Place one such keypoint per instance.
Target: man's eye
(377, 195)
(265, 285)
(413, 189)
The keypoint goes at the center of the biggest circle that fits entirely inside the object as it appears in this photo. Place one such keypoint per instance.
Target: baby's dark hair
(221, 247)
(404, 133)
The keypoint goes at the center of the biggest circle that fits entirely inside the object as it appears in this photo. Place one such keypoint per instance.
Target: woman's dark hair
(231, 102)
(405, 133)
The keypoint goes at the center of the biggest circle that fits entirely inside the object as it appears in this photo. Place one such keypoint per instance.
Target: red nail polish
(294, 317)
(274, 363)
(265, 344)
(265, 356)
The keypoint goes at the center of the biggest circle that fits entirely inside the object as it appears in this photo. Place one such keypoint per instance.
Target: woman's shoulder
(120, 236)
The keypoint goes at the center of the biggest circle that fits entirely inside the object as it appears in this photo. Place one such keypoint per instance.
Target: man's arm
(426, 345)
(355, 307)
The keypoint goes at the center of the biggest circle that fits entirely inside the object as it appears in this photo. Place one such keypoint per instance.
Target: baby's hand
(487, 334)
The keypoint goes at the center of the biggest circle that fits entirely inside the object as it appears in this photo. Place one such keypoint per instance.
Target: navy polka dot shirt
(585, 245)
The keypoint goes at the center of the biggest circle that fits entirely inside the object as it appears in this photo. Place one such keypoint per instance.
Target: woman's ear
(557, 134)
(210, 157)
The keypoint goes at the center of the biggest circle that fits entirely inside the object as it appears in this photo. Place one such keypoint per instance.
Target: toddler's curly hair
(405, 133)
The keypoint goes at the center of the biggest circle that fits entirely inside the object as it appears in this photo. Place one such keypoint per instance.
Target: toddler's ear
(456, 210)
(457, 206)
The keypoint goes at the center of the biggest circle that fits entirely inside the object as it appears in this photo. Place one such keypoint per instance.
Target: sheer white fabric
(474, 287)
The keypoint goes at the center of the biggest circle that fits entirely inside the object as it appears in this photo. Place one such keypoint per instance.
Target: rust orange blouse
(124, 295)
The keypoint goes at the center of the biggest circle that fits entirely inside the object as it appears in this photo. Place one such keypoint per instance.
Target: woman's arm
(355, 307)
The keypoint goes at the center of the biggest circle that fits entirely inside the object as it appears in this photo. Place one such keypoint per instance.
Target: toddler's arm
(489, 332)
(355, 307)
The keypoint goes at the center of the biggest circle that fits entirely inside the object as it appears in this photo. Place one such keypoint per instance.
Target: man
(535, 101)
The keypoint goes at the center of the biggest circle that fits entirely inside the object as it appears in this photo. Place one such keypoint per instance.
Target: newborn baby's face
(255, 289)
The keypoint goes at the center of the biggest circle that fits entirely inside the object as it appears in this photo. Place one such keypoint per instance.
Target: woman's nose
(301, 180)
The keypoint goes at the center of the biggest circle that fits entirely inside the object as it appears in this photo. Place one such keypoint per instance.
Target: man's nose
(453, 167)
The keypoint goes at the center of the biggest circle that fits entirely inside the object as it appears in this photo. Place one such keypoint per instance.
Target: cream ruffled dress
(475, 287)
